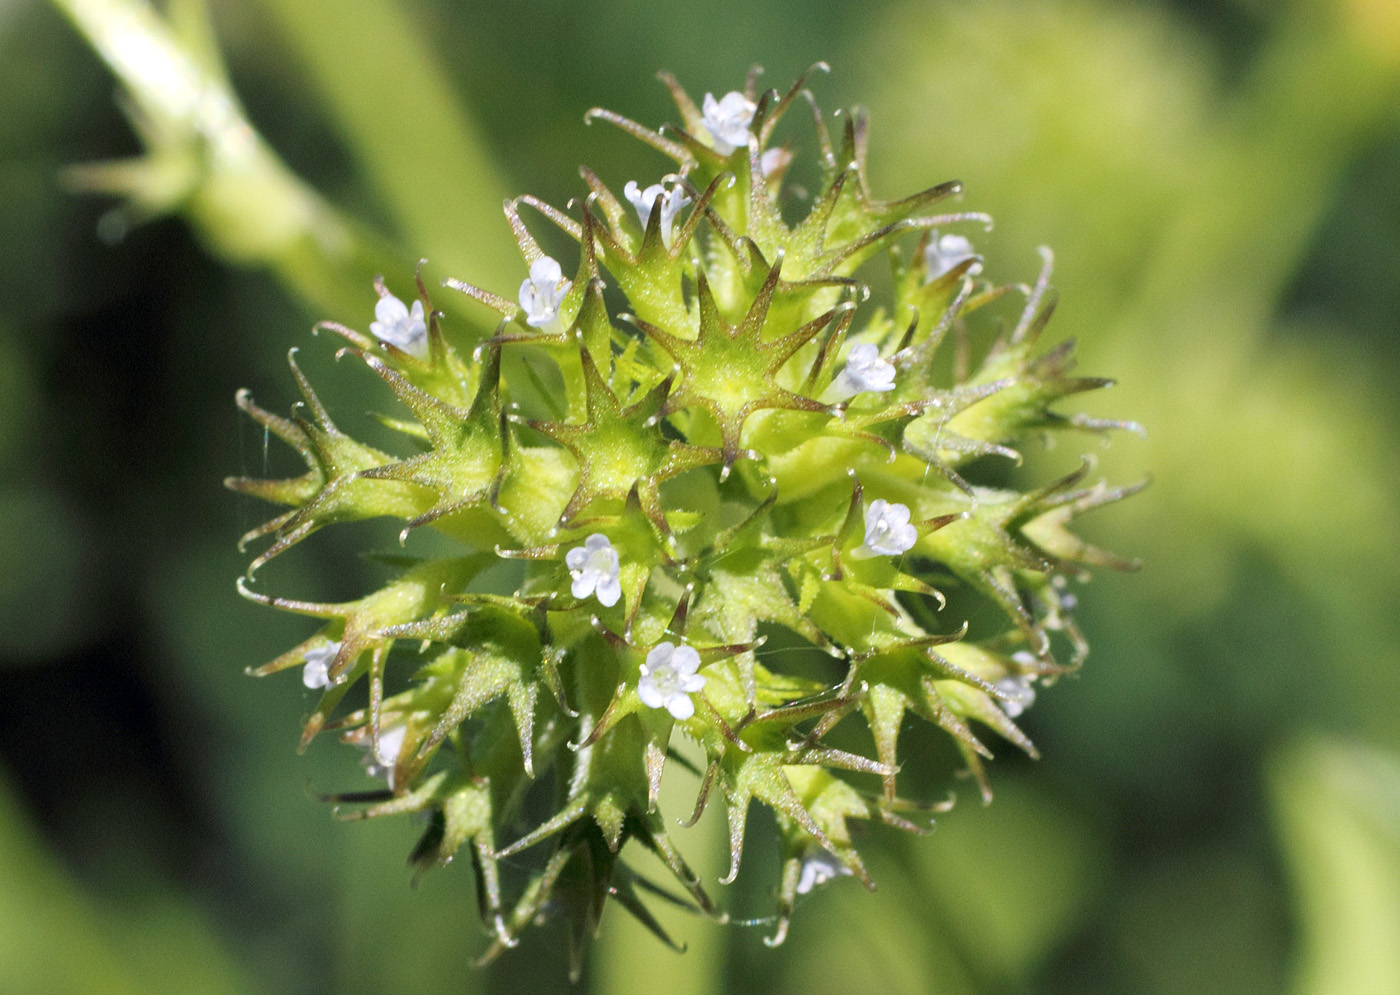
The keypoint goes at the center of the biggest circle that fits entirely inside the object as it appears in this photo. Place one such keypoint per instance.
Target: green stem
(205, 159)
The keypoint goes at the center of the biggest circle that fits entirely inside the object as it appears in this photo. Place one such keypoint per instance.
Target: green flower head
(701, 435)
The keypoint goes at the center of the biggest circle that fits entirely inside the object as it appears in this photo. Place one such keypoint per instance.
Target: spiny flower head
(749, 448)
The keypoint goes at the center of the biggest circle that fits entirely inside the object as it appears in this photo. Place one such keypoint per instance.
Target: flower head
(379, 761)
(594, 567)
(864, 370)
(398, 326)
(669, 678)
(947, 251)
(542, 293)
(887, 530)
(673, 201)
(318, 661)
(728, 119)
(739, 346)
(819, 867)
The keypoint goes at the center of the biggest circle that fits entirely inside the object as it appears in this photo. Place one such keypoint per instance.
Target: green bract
(750, 451)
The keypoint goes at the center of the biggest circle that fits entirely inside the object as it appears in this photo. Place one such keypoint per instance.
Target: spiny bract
(748, 454)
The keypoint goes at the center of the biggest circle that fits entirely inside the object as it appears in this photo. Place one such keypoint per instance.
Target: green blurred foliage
(1338, 813)
(1218, 180)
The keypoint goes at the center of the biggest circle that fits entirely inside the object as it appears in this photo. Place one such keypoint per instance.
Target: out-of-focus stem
(205, 160)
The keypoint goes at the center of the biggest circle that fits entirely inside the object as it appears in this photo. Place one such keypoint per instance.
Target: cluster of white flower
(864, 371)
(669, 678)
(1020, 694)
(774, 160)
(398, 326)
(727, 120)
(379, 761)
(819, 867)
(594, 568)
(315, 674)
(887, 531)
(673, 201)
(1019, 689)
(542, 292)
(945, 252)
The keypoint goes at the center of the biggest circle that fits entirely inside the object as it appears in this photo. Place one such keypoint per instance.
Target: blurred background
(1218, 804)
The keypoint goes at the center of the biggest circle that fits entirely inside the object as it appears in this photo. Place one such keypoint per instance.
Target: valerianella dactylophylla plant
(743, 451)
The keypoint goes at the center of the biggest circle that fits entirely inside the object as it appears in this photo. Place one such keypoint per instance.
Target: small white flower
(542, 292)
(380, 761)
(669, 678)
(887, 530)
(594, 567)
(673, 201)
(1019, 691)
(398, 326)
(819, 867)
(864, 370)
(948, 251)
(1068, 600)
(728, 119)
(773, 160)
(318, 661)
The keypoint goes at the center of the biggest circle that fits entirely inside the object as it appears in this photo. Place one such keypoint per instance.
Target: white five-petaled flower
(398, 326)
(728, 119)
(542, 292)
(318, 661)
(1019, 691)
(887, 530)
(943, 253)
(864, 370)
(673, 201)
(669, 678)
(379, 761)
(818, 867)
(594, 567)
